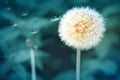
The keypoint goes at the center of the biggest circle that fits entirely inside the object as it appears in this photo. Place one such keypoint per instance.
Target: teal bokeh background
(23, 19)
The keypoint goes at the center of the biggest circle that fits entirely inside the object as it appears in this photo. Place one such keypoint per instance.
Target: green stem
(78, 64)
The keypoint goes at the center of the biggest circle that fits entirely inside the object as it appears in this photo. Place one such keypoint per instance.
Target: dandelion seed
(15, 25)
(55, 19)
(8, 9)
(34, 32)
(24, 14)
(34, 19)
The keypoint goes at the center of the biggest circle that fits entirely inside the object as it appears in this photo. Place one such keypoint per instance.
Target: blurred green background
(32, 19)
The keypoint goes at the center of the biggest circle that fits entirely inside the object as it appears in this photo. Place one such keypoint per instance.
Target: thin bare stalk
(78, 64)
(33, 64)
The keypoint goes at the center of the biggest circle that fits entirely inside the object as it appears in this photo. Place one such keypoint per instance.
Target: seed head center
(81, 27)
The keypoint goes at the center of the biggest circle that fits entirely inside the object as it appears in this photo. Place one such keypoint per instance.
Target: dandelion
(82, 29)
(32, 54)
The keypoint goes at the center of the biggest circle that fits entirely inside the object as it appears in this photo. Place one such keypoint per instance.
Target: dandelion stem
(32, 54)
(33, 64)
(78, 64)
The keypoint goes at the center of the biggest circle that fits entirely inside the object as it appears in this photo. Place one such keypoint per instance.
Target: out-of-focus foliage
(33, 19)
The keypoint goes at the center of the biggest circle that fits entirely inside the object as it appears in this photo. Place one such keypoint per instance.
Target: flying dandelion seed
(34, 19)
(15, 25)
(24, 14)
(55, 19)
(34, 32)
(8, 9)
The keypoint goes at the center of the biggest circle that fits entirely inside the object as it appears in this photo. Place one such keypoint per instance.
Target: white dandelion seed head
(81, 28)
